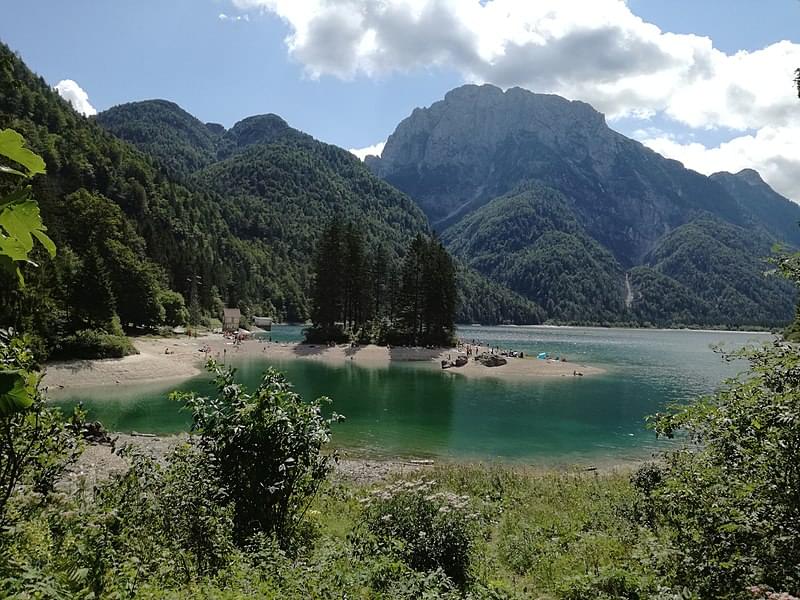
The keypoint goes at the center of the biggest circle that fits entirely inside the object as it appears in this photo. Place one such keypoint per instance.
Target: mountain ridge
(471, 150)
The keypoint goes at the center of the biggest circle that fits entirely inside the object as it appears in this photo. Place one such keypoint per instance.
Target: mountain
(538, 193)
(768, 208)
(132, 228)
(130, 234)
(279, 186)
(180, 142)
(530, 241)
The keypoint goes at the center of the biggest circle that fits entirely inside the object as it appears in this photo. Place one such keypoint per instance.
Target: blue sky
(223, 70)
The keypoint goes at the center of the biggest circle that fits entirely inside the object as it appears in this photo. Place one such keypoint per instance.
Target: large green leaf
(21, 220)
(17, 389)
(12, 146)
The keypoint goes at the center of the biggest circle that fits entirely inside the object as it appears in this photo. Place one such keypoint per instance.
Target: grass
(539, 532)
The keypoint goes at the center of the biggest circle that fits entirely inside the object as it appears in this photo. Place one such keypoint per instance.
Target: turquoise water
(418, 410)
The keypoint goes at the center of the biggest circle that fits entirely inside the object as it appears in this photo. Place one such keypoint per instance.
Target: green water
(419, 410)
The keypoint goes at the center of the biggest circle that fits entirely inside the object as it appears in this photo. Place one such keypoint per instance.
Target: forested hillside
(278, 185)
(612, 231)
(128, 234)
(196, 218)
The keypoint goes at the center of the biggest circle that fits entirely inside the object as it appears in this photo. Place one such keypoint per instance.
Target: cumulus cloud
(593, 50)
(772, 151)
(76, 96)
(598, 51)
(374, 150)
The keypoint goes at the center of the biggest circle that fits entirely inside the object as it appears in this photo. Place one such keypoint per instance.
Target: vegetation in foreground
(249, 508)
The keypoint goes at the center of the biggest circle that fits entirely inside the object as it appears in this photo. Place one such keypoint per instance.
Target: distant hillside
(279, 186)
(181, 143)
(606, 227)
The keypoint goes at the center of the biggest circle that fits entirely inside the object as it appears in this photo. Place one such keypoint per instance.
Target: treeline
(139, 248)
(360, 293)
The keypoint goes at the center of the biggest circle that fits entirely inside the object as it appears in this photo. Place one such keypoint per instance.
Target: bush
(164, 525)
(430, 530)
(36, 445)
(90, 343)
(324, 335)
(175, 311)
(727, 507)
(267, 447)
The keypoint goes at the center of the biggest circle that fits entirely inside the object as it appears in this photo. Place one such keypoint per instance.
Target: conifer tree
(327, 296)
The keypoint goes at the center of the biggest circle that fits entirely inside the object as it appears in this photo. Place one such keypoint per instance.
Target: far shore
(176, 359)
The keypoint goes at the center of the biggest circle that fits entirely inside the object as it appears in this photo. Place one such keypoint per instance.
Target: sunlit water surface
(418, 410)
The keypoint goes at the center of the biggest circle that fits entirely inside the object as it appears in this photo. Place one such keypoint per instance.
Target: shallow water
(418, 410)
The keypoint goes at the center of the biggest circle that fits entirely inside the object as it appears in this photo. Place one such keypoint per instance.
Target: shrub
(431, 530)
(90, 343)
(36, 445)
(324, 335)
(267, 447)
(728, 504)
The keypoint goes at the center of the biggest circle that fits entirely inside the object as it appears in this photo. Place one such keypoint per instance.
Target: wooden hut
(230, 319)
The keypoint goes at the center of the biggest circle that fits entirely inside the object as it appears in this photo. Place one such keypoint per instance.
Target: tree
(726, 505)
(267, 449)
(327, 293)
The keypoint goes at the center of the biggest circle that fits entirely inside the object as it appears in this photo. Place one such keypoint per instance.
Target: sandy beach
(175, 359)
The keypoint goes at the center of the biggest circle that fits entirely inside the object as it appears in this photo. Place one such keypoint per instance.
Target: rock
(491, 360)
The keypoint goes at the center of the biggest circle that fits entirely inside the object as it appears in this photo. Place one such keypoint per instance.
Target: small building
(264, 323)
(230, 319)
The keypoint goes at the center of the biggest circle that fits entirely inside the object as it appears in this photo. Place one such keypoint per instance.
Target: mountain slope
(464, 158)
(181, 143)
(480, 142)
(278, 186)
(767, 208)
(530, 241)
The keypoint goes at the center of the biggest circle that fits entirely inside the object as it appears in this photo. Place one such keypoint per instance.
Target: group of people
(476, 348)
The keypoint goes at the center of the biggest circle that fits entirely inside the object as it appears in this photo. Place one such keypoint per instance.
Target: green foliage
(381, 301)
(720, 268)
(267, 449)
(20, 221)
(180, 143)
(530, 242)
(91, 343)
(175, 311)
(430, 529)
(705, 272)
(481, 300)
(36, 445)
(726, 505)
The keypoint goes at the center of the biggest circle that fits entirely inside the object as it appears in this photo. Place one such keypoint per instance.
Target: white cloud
(374, 150)
(76, 96)
(224, 17)
(592, 50)
(772, 151)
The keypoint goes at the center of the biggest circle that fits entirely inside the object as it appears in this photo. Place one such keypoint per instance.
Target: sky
(708, 82)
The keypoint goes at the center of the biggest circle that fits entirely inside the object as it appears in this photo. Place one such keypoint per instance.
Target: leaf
(17, 388)
(10, 171)
(12, 147)
(45, 241)
(22, 221)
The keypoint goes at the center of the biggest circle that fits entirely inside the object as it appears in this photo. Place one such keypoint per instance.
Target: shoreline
(177, 359)
(100, 461)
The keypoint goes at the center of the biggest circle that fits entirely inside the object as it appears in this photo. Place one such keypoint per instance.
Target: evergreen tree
(327, 293)
(412, 297)
(92, 295)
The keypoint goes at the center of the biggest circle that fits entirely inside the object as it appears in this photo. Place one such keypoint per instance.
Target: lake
(417, 410)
